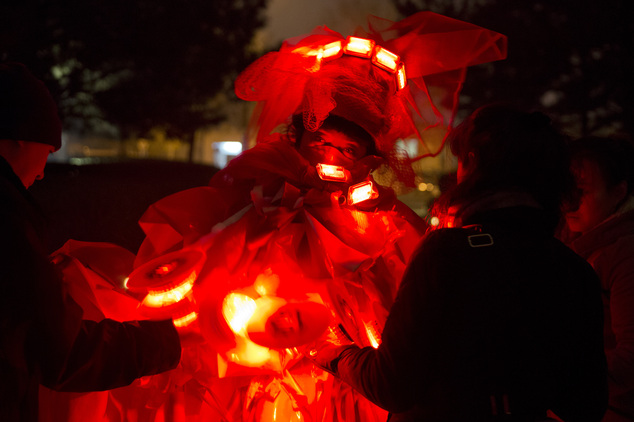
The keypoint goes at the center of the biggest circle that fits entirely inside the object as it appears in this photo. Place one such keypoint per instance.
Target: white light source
(229, 147)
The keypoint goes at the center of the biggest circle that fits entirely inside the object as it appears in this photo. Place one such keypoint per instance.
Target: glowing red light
(385, 59)
(362, 192)
(401, 78)
(237, 310)
(160, 298)
(373, 334)
(332, 173)
(332, 50)
(360, 47)
(165, 269)
(186, 320)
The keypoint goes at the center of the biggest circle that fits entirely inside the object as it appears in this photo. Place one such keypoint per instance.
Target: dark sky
(289, 18)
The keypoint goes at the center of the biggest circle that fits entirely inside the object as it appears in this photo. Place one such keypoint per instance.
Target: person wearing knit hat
(44, 338)
(30, 128)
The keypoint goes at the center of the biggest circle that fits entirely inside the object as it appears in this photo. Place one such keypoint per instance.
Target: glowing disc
(166, 272)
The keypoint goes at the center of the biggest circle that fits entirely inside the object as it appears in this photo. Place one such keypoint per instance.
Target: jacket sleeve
(74, 354)
(390, 376)
(48, 335)
(111, 354)
(621, 289)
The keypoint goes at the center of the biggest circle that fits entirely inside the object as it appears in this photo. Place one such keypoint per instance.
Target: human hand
(326, 355)
(326, 350)
(189, 334)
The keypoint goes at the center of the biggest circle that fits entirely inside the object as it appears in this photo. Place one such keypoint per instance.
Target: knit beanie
(27, 109)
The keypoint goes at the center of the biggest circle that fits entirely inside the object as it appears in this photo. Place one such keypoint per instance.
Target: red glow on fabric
(435, 51)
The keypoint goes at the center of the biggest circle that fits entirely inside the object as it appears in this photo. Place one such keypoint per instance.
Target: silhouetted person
(495, 319)
(604, 228)
(43, 338)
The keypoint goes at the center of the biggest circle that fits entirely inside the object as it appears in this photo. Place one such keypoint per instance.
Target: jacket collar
(7, 172)
(464, 215)
(618, 225)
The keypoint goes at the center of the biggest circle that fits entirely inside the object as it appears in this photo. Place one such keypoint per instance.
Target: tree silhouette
(133, 64)
(571, 59)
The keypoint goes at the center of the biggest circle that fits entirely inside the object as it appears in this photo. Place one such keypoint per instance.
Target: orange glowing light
(250, 354)
(360, 47)
(385, 59)
(266, 283)
(165, 269)
(161, 298)
(308, 51)
(401, 78)
(362, 192)
(186, 320)
(373, 334)
(332, 173)
(237, 309)
(332, 50)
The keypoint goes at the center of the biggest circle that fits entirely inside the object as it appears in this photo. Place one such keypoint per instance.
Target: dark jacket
(609, 248)
(43, 338)
(494, 317)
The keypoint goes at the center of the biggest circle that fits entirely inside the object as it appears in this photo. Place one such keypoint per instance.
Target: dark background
(120, 68)
(103, 202)
(130, 66)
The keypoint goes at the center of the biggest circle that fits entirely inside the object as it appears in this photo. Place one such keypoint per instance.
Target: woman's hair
(296, 130)
(614, 157)
(502, 148)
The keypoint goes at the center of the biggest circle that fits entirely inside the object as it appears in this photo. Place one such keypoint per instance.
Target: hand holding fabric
(326, 351)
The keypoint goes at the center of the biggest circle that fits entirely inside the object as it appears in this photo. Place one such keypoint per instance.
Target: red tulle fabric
(436, 51)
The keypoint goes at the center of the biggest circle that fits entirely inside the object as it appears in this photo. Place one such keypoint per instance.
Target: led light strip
(363, 48)
(361, 192)
(185, 320)
(158, 299)
(332, 173)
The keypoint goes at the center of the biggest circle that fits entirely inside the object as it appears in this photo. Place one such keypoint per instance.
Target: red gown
(276, 240)
(267, 216)
(267, 222)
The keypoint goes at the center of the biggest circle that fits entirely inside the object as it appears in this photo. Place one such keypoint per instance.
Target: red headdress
(398, 81)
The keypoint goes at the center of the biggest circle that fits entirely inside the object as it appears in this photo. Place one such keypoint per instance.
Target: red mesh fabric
(436, 51)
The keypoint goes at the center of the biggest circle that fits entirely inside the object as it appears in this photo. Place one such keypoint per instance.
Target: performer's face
(29, 161)
(598, 200)
(331, 146)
